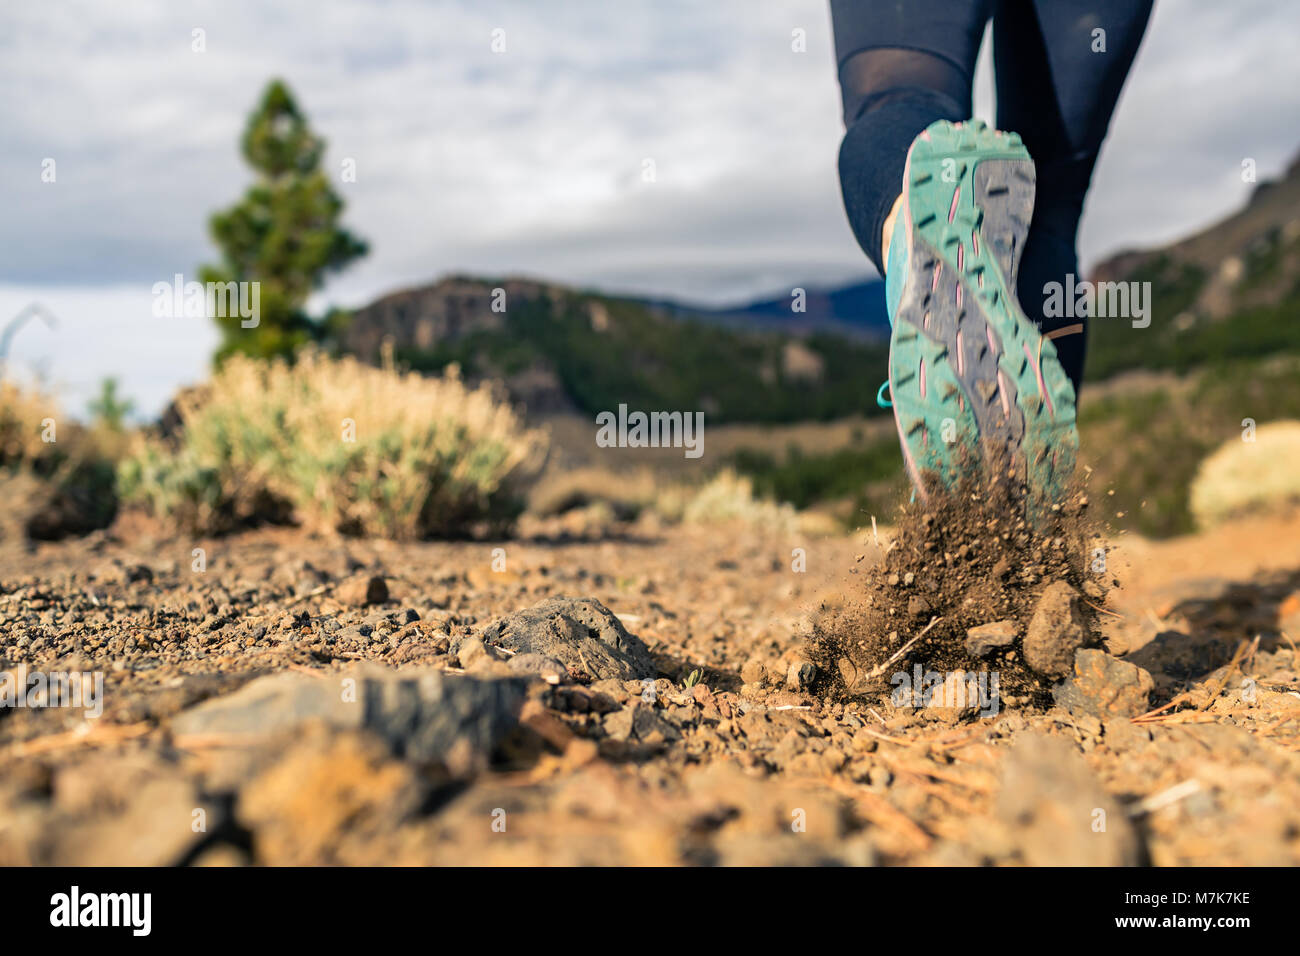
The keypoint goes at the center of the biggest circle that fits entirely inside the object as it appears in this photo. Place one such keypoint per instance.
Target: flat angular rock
(1056, 811)
(547, 668)
(580, 633)
(420, 714)
(642, 723)
(363, 589)
(123, 810)
(1056, 631)
(800, 675)
(135, 836)
(989, 637)
(1105, 686)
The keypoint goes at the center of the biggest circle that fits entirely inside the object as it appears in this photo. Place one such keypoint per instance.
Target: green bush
(336, 446)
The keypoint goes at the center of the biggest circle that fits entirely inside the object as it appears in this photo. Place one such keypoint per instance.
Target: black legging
(905, 63)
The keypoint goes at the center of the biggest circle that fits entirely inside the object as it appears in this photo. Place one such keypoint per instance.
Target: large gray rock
(420, 714)
(1105, 686)
(642, 723)
(1056, 631)
(580, 633)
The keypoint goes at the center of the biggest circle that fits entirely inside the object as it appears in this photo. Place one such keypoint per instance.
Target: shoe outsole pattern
(969, 374)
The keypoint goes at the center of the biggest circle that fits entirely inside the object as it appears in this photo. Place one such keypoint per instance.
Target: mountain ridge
(559, 348)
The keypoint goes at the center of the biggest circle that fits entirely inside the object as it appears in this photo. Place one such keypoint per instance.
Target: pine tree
(110, 409)
(283, 234)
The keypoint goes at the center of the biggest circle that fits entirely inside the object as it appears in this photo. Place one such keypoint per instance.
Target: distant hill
(854, 311)
(1231, 290)
(562, 349)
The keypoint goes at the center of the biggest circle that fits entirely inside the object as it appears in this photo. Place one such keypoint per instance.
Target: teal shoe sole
(973, 382)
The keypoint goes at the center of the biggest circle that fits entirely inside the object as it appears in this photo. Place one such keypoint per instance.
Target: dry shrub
(729, 497)
(21, 413)
(624, 494)
(605, 497)
(50, 488)
(1244, 477)
(336, 445)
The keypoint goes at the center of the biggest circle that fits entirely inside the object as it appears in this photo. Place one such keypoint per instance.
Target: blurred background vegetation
(433, 412)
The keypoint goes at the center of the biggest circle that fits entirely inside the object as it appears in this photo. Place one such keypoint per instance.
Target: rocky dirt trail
(648, 699)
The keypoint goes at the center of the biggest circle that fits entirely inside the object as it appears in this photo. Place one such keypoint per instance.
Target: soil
(746, 746)
(961, 561)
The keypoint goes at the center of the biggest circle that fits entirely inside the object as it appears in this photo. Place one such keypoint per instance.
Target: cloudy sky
(528, 160)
